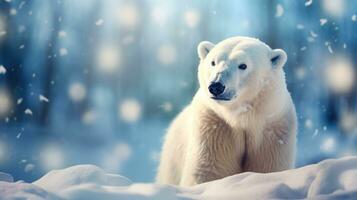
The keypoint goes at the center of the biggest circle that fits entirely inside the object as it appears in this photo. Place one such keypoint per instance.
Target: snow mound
(330, 179)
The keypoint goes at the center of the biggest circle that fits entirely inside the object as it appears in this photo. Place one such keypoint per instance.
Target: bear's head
(237, 69)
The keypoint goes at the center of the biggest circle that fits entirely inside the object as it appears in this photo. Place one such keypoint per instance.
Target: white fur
(254, 131)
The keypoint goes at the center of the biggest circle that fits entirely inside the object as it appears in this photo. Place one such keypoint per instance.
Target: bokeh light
(130, 110)
(108, 59)
(77, 91)
(340, 75)
(52, 157)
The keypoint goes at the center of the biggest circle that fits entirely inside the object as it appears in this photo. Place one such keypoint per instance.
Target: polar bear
(241, 119)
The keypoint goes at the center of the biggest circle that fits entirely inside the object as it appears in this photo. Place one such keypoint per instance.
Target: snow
(28, 111)
(279, 10)
(340, 75)
(63, 51)
(52, 157)
(354, 18)
(2, 69)
(129, 110)
(128, 15)
(323, 21)
(43, 98)
(5, 103)
(330, 179)
(166, 54)
(334, 7)
(308, 3)
(108, 59)
(192, 18)
(77, 91)
(99, 22)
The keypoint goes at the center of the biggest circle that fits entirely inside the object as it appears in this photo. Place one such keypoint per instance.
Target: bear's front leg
(213, 152)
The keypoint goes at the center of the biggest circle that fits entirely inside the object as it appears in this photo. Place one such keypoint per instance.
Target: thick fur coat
(250, 126)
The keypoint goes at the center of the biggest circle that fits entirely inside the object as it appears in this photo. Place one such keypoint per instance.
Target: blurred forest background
(98, 81)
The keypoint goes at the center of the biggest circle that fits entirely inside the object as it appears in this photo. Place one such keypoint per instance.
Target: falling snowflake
(28, 111)
(21, 29)
(77, 91)
(99, 22)
(51, 157)
(19, 101)
(5, 103)
(192, 18)
(159, 15)
(323, 21)
(13, 11)
(316, 132)
(130, 110)
(313, 34)
(43, 98)
(166, 54)
(308, 123)
(108, 59)
(62, 34)
(29, 167)
(279, 10)
(128, 16)
(114, 159)
(300, 73)
(308, 3)
(63, 51)
(354, 18)
(328, 145)
(2, 69)
(89, 117)
(334, 7)
(167, 106)
(348, 121)
(340, 74)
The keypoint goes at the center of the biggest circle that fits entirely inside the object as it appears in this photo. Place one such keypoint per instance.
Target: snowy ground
(330, 179)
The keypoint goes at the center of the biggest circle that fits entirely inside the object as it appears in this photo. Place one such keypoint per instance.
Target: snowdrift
(330, 179)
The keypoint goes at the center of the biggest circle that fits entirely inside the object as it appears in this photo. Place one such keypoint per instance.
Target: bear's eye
(242, 66)
(213, 63)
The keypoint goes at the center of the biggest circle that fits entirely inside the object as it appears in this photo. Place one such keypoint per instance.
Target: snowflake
(279, 10)
(28, 111)
(114, 159)
(340, 75)
(63, 51)
(2, 69)
(166, 54)
(130, 110)
(108, 59)
(43, 98)
(308, 3)
(328, 145)
(192, 18)
(323, 21)
(128, 15)
(51, 157)
(99, 22)
(77, 91)
(5, 103)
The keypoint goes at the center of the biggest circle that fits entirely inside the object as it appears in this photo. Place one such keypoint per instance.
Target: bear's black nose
(216, 88)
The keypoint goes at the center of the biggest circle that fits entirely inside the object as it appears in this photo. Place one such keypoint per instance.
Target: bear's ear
(204, 48)
(278, 58)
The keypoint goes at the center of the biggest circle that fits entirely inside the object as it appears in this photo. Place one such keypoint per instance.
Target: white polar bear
(241, 119)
